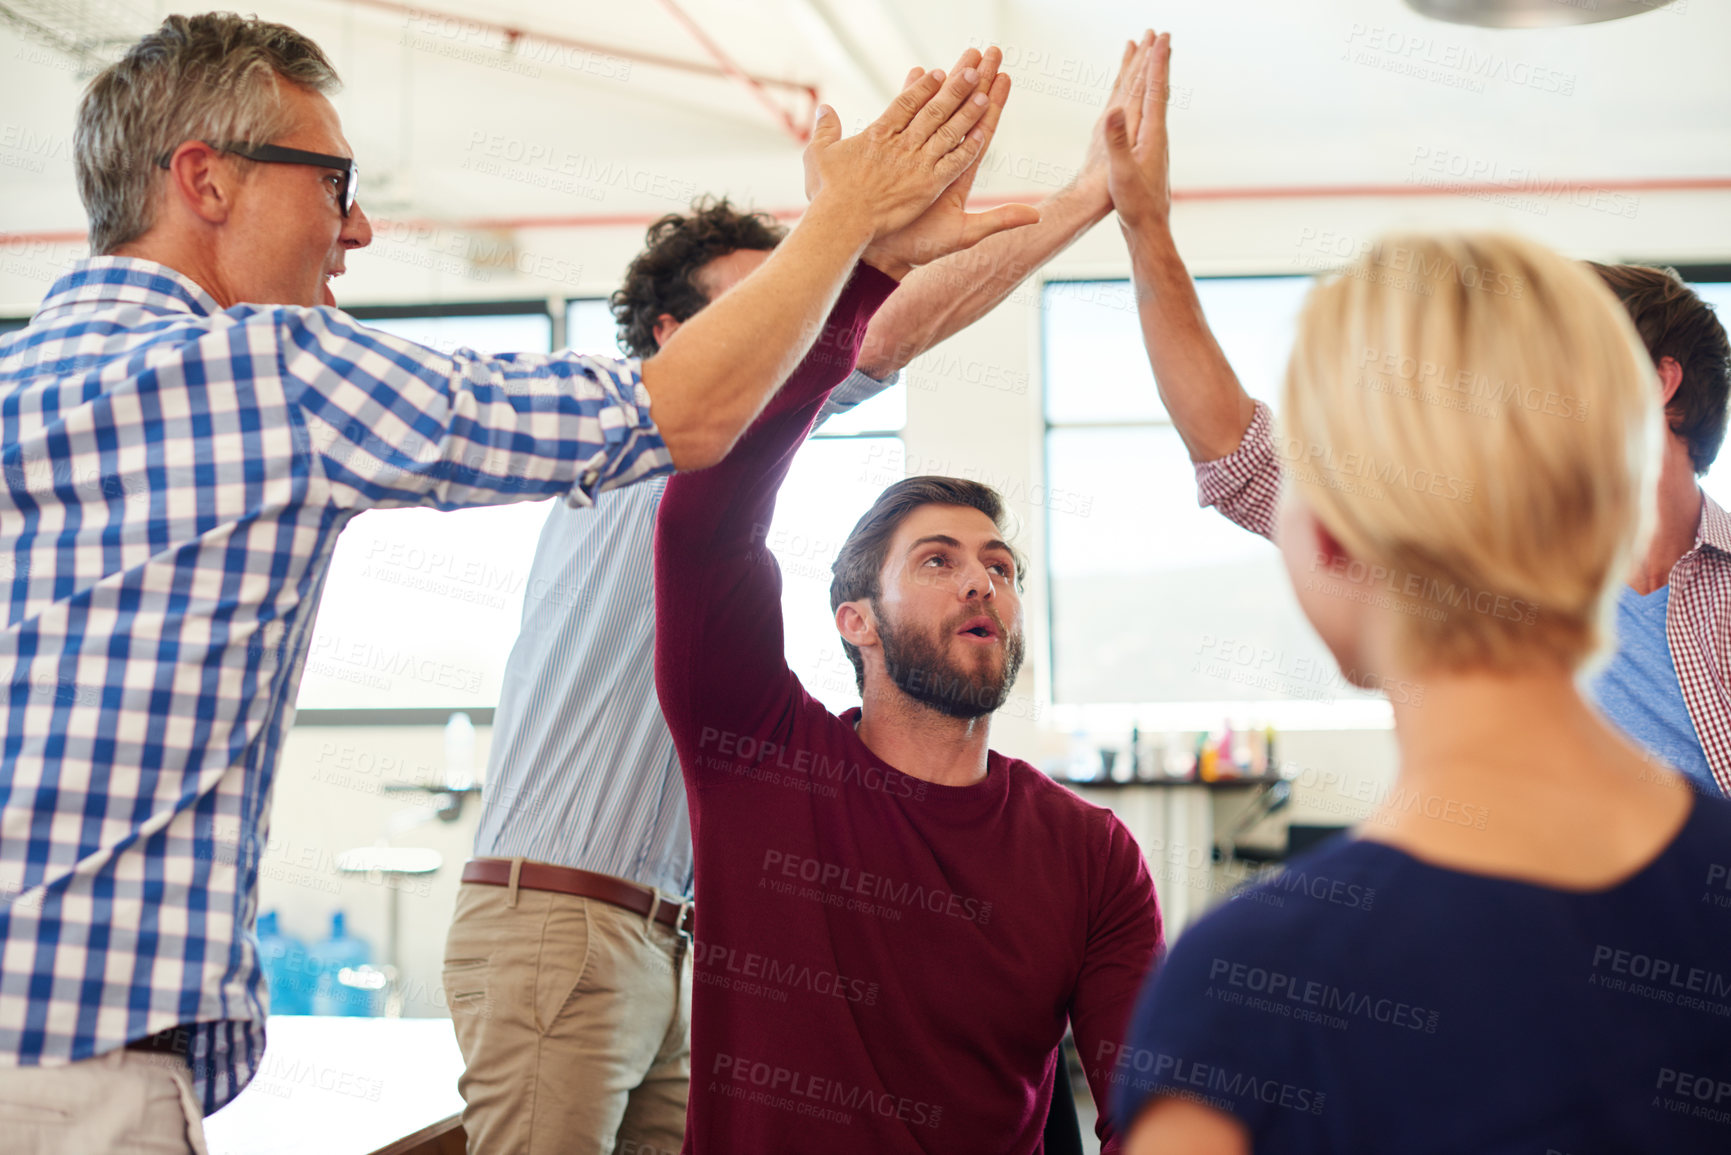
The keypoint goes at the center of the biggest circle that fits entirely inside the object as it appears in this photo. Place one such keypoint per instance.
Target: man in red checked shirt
(896, 922)
(1668, 686)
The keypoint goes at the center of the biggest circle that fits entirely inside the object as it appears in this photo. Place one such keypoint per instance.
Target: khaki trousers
(119, 1103)
(574, 1019)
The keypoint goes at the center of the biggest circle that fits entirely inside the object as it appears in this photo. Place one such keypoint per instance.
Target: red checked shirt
(1245, 485)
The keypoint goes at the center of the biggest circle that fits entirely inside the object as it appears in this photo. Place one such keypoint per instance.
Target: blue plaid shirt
(173, 477)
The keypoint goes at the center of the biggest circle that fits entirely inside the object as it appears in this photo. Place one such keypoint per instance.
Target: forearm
(715, 374)
(939, 300)
(1209, 408)
(718, 643)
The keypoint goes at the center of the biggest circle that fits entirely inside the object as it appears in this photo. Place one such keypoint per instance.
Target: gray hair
(212, 77)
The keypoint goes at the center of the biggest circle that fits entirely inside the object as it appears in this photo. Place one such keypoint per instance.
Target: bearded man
(894, 922)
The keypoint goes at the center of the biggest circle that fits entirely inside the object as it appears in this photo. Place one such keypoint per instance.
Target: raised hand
(1138, 171)
(948, 226)
(892, 172)
(1091, 177)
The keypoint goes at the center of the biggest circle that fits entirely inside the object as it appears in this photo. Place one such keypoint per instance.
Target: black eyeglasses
(276, 154)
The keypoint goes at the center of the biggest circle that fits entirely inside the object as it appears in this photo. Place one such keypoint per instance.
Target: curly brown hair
(1674, 322)
(662, 278)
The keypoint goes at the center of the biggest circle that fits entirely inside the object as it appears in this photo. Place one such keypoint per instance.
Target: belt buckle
(681, 924)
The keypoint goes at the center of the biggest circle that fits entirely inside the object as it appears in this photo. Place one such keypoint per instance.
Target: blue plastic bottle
(336, 954)
(289, 974)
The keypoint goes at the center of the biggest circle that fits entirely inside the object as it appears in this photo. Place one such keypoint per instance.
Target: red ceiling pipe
(801, 132)
(724, 67)
(1297, 192)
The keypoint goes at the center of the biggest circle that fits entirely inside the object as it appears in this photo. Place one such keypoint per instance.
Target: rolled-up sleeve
(393, 423)
(1245, 484)
(859, 387)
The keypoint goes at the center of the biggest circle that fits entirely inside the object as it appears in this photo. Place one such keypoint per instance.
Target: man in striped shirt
(1669, 685)
(185, 426)
(584, 817)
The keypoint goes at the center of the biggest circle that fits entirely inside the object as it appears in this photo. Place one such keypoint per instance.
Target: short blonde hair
(1475, 419)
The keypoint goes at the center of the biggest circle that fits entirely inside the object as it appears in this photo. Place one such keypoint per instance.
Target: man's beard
(919, 667)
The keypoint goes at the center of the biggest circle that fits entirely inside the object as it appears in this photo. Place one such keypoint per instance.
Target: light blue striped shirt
(582, 771)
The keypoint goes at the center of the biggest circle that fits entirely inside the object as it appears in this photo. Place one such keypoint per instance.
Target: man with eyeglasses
(183, 433)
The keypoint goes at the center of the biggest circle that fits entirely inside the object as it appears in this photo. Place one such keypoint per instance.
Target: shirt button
(590, 477)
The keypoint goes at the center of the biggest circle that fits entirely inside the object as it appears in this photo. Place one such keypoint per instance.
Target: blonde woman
(1528, 946)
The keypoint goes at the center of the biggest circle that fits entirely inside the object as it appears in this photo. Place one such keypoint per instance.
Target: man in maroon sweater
(893, 922)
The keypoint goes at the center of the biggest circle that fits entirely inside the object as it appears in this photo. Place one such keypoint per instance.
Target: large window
(1159, 608)
(848, 461)
(1149, 591)
(421, 606)
(441, 593)
(834, 480)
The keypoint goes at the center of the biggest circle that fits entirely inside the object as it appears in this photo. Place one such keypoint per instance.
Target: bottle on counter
(342, 960)
(1225, 752)
(1154, 764)
(1177, 763)
(1207, 759)
(289, 975)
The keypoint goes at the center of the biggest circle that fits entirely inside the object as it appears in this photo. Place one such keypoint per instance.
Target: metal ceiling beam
(800, 130)
(515, 32)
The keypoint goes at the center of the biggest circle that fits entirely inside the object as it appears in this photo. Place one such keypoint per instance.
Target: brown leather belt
(675, 916)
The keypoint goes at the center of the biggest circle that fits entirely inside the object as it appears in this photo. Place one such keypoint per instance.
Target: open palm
(1138, 171)
(947, 226)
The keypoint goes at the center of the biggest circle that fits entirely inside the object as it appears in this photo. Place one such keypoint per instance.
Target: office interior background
(512, 153)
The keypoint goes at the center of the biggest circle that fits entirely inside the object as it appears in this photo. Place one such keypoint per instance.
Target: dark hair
(1674, 322)
(660, 278)
(859, 566)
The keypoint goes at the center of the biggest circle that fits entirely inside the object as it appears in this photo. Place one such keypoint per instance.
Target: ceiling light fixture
(1531, 13)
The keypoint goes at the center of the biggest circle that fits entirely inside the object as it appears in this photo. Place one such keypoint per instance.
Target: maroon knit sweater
(882, 964)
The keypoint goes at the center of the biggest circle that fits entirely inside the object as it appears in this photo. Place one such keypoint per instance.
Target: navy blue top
(1639, 690)
(1367, 1001)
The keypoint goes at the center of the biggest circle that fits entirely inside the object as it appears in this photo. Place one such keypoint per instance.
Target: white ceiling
(1267, 93)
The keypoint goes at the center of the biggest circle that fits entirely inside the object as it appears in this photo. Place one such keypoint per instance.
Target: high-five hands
(948, 226)
(912, 168)
(1091, 177)
(1138, 172)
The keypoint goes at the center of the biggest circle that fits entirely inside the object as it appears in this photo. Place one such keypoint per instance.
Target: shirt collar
(1715, 526)
(125, 281)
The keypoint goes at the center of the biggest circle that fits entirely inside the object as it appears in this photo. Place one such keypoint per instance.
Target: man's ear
(1670, 378)
(198, 179)
(665, 327)
(855, 622)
